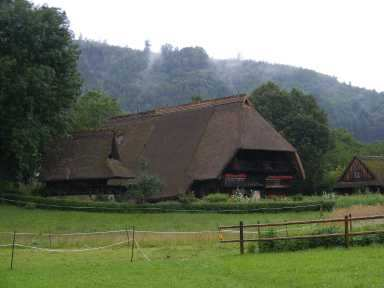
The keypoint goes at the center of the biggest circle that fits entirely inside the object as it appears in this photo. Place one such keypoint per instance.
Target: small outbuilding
(362, 173)
(218, 145)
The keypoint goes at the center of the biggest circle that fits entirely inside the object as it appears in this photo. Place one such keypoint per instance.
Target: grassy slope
(357, 267)
(36, 220)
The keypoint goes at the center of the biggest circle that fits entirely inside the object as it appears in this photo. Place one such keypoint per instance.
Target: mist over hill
(142, 80)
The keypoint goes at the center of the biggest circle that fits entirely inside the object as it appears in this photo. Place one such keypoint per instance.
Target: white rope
(112, 232)
(71, 250)
(162, 209)
(87, 233)
(177, 232)
(5, 245)
(149, 232)
(142, 252)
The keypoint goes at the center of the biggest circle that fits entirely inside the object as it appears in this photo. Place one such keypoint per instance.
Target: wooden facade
(362, 173)
(268, 172)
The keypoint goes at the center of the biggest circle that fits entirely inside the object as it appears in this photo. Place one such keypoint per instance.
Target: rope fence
(130, 242)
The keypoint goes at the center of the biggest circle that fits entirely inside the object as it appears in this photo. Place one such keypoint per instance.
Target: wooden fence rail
(347, 234)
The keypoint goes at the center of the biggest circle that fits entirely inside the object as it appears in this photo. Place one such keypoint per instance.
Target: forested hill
(142, 80)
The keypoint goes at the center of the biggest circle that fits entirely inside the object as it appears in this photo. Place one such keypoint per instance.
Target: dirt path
(358, 211)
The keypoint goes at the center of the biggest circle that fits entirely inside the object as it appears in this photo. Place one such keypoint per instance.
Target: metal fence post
(241, 237)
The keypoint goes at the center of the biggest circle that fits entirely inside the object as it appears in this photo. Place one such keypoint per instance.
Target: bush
(169, 206)
(187, 198)
(297, 197)
(216, 198)
(30, 206)
(251, 248)
(360, 199)
(146, 186)
(301, 244)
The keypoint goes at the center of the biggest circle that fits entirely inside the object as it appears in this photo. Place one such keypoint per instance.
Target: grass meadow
(189, 263)
(356, 267)
(37, 220)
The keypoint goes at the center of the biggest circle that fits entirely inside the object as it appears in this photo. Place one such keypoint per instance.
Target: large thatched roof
(86, 155)
(187, 142)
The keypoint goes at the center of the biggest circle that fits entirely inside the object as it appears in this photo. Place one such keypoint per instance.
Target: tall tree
(92, 109)
(38, 82)
(298, 117)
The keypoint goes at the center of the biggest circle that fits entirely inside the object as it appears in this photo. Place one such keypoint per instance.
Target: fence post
(241, 237)
(350, 222)
(258, 235)
(127, 234)
(133, 242)
(346, 234)
(13, 248)
(50, 239)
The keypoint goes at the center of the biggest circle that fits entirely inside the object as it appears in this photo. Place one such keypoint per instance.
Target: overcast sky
(340, 38)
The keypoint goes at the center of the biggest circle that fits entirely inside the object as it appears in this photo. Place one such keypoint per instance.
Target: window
(356, 174)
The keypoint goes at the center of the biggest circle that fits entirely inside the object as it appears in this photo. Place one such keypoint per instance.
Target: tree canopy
(142, 80)
(297, 116)
(92, 109)
(38, 82)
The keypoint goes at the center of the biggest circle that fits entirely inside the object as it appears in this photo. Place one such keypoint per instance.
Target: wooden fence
(347, 234)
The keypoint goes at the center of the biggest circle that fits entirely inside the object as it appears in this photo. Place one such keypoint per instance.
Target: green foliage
(251, 248)
(187, 198)
(39, 82)
(92, 109)
(147, 184)
(216, 198)
(360, 199)
(301, 244)
(298, 117)
(344, 149)
(173, 206)
(297, 197)
(142, 80)
(196, 99)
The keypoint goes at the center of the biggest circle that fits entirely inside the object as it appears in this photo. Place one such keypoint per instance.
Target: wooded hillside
(141, 80)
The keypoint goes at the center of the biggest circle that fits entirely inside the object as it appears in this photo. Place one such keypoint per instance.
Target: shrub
(30, 206)
(297, 197)
(251, 248)
(168, 206)
(187, 198)
(216, 198)
(146, 186)
(360, 199)
(301, 244)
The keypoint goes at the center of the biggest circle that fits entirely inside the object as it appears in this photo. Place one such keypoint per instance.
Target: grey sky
(340, 38)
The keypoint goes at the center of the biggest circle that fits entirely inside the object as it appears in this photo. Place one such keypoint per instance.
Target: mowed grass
(355, 267)
(38, 220)
(193, 264)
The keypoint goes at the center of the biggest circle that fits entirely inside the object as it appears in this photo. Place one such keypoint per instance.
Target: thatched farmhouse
(363, 172)
(214, 145)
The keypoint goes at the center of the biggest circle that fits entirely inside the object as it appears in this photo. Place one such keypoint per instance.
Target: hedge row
(170, 206)
(303, 244)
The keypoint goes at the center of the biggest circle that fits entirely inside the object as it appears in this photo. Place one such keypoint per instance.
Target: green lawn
(174, 264)
(36, 220)
(356, 267)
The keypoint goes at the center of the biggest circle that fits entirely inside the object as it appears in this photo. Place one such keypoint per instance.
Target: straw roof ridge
(184, 107)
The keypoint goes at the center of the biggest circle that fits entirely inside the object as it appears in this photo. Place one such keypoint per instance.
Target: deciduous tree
(38, 82)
